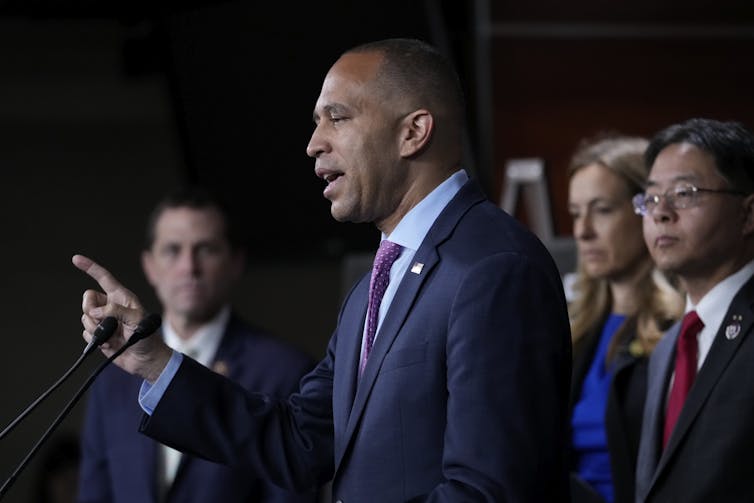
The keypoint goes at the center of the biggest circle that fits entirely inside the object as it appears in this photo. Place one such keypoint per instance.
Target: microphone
(103, 332)
(146, 327)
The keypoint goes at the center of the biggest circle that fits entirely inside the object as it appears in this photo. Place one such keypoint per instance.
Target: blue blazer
(464, 396)
(119, 465)
(709, 454)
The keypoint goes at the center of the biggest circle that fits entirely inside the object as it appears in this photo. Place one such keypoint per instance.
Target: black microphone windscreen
(145, 328)
(105, 330)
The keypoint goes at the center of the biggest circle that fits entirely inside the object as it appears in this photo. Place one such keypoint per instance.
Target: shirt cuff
(150, 394)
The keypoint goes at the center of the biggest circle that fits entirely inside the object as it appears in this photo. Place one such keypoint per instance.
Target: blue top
(588, 421)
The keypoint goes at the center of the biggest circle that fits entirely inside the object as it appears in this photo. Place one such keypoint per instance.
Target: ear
(147, 265)
(748, 207)
(416, 132)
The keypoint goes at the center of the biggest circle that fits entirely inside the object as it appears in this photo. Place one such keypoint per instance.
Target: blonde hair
(660, 302)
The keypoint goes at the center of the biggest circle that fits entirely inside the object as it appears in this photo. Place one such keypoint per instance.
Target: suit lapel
(225, 362)
(396, 315)
(720, 354)
(718, 358)
(228, 352)
(660, 368)
(350, 334)
(400, 307)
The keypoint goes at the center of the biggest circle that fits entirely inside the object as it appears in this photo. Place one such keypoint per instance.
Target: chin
(192, 311)
(597, 272)
(341, 214)
(338, 217)
(667, 264)
(669, 267)
(199, 315)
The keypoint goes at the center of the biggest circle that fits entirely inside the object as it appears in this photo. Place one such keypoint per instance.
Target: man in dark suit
(698, 431)
(192, 258)
(462, 393)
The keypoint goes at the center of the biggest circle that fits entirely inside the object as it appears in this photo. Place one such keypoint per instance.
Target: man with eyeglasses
(697, 442)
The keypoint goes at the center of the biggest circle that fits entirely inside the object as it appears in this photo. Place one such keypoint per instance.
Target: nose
(662, 211)
(317, 144)
(583, 228)
(189, 262)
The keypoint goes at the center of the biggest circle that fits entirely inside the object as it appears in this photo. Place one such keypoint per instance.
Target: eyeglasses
(679, 197)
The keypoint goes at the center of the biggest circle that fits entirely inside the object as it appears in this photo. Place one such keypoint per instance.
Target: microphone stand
(103, 332)
(146, 328)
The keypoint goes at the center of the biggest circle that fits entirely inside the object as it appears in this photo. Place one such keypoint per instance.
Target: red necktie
(383, 261)
(685, 370)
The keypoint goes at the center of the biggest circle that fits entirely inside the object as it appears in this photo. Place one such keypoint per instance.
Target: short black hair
(416, 68)
(730, 143)
(198, 198)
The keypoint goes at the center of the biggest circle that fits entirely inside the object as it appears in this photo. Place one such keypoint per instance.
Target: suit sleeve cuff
(150, 394)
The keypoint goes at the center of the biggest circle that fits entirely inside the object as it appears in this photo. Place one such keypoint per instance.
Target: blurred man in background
(697, 437)
(192, 258)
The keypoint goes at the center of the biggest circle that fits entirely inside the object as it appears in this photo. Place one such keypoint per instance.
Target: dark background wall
(104, 107)
(565, 71)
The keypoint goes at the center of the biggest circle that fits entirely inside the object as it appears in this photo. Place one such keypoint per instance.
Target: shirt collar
(205, 341)
(414, 226)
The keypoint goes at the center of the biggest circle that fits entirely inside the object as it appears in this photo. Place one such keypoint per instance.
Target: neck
(698, 285)
(420, 188)
(183, 326)
(626, 292)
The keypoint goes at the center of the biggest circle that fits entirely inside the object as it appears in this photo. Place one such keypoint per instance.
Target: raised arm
(148, 357)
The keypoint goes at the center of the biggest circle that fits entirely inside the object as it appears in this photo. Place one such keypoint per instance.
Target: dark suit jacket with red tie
(464, 396)
(710, 454)
(121, 466)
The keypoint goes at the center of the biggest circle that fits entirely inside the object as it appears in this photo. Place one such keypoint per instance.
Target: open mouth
(332, 183)
(332, 177)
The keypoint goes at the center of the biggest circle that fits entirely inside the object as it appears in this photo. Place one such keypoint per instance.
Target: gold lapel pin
(221, 368)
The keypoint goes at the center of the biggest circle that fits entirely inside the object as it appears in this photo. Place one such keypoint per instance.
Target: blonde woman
(620, 308)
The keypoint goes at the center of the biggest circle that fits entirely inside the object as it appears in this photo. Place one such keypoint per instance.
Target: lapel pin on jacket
(417, 268)
(221, 368)
(733, 328)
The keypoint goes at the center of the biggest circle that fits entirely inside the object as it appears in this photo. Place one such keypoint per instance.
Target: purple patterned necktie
(383, 261)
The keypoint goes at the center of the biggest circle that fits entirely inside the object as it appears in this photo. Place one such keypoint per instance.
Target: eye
(603, 209)
(683, 193)
(171, 250)
(208, 249)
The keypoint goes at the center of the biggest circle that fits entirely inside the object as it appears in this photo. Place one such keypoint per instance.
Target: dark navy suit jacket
(120, 465)
(464, 396)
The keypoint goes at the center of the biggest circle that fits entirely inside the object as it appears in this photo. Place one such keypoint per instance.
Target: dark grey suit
(710, 455)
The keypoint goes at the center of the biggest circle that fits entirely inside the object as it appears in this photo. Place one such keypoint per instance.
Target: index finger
(101, 275)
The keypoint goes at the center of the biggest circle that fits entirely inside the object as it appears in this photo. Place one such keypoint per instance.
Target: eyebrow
(330, 109)
(598, 200)
(682, 178)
